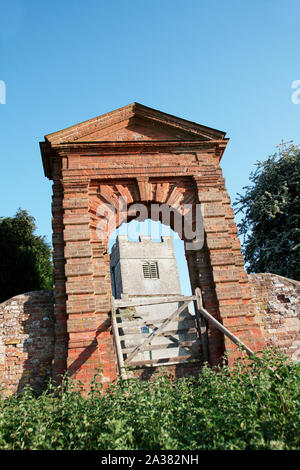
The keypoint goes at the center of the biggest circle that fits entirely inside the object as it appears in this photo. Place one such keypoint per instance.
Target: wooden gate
(146, 342)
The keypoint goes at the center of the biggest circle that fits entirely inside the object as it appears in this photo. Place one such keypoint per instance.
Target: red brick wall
(26, 341)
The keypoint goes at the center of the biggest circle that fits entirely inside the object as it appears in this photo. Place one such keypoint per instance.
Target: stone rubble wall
(277, 311)
(26, 341)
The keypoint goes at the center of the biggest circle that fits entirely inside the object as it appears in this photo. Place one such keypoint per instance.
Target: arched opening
(156, 230)
(150, 283)
(176, 205)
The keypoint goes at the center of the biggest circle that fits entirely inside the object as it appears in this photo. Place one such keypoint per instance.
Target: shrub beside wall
(254, 406)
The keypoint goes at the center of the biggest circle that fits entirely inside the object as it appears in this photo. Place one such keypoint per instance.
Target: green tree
(25, 258)
(271, 214)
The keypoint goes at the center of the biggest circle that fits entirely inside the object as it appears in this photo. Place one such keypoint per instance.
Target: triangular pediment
(135, 122)
(138, 129)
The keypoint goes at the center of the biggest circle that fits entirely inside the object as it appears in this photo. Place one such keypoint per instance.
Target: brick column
(61, 335)
(81, 325)
(102, 288)
(233, 306)
(88, 290)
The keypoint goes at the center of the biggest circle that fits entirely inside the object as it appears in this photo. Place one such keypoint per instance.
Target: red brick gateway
(149, 157)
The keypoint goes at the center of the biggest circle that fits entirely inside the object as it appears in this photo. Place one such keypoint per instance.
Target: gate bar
(219, 325)
(165, 300)
(117, 340)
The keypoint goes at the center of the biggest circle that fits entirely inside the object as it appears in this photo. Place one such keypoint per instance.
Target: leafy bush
(253, 406)
(25, 258)
(271, 214)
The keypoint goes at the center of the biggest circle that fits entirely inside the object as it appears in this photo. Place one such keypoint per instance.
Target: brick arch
(217, 269)
(115, 203)
(175, 193)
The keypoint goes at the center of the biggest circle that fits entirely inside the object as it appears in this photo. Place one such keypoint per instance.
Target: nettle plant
(254, 405)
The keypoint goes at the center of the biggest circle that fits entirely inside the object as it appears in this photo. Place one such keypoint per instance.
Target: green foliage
(253, 406)
(271, 215)
(25, 258)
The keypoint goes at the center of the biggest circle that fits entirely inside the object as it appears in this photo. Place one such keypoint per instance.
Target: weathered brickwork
(277, 311)
(26, 341)
(148, 157)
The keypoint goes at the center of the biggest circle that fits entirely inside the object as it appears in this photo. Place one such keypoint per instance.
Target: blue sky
(225, 64)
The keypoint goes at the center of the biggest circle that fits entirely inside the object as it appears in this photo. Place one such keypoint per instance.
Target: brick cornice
(101, 148)
(138, 146)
